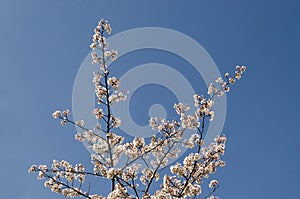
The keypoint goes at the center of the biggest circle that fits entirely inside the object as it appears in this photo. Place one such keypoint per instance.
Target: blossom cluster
(60, 175)
(224, 85)
(187, 178)
(108, 147)
(98, 39)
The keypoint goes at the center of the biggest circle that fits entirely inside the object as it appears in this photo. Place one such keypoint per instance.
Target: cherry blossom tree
(132, 180)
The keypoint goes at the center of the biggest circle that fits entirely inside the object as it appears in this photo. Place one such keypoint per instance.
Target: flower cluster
(131, 180)
(98, 39)
(224, 85)
(187, 178)
(60, 175)
(63, 115)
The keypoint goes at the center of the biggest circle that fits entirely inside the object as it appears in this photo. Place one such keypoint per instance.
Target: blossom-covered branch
(131, 180)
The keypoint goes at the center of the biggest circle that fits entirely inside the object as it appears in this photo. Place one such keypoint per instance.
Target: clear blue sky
(44, 42)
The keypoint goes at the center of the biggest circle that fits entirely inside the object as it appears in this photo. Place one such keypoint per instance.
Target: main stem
(108, 109)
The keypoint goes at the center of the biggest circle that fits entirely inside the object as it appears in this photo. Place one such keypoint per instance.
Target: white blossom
(56, 114)
(213, 183)
(114, 82)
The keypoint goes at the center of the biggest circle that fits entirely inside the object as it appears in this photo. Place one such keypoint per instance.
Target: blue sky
(44, 42)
